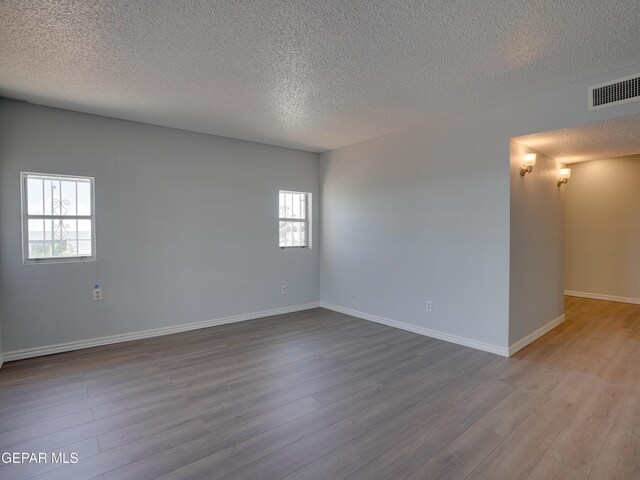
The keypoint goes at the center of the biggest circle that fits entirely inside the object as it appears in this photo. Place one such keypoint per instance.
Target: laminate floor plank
(222, 453)
(296, 455)
(550, 469)
(518, 454)
(621, 450)
(408, 453)
(320, 394)
(460, 457)
(365, 448)
(105, 461)
(37, 430)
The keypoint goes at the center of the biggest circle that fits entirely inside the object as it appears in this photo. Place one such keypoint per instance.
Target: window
(294, 218)
(58, 223)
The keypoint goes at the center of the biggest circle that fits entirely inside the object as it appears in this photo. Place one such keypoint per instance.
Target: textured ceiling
(613, 138)
(309, 74)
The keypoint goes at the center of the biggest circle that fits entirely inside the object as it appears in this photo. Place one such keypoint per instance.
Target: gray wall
(421, 214)
(424, 214)
(402, 224)
(603, 228)
(186, 227)
(537, 244)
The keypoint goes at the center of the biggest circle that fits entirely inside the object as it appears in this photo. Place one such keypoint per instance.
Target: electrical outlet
(284, 289)
(428, 305)
(97, 293)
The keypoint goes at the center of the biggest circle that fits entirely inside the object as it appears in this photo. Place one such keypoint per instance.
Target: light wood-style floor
(320, 395)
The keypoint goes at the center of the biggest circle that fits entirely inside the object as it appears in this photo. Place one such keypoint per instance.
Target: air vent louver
(615, 92)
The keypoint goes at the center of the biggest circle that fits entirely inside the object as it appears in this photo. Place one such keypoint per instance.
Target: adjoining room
(594, 238)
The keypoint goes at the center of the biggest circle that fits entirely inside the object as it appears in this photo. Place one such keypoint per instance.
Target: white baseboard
(447, 337)
(598, 296)
(156, 332)
(523, 342)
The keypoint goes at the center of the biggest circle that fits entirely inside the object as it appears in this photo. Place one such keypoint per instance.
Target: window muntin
(58, 218)
(294, 215)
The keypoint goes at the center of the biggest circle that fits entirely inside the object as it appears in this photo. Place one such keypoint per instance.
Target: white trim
(24, 177)
(447, 337)
(156, 332)
(533, 336)
(599, 296)
(307, 220)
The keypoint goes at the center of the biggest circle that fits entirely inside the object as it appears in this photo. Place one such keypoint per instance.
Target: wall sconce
(527, 165)
(565, 173)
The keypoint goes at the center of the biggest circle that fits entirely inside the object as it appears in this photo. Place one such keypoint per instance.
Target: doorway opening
(574, 234)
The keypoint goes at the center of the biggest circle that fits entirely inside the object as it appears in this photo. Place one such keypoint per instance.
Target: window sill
(46, 261)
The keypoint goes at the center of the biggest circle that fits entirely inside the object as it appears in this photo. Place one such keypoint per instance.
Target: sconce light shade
(565, 173)
(528, 163)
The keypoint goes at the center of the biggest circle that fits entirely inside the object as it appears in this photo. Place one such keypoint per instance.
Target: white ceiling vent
(615, 92)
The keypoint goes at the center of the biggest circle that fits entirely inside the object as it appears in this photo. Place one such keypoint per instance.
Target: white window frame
(24, 176)
(306, 220)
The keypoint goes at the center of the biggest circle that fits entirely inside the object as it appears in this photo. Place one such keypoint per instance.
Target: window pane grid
(293, 234)
(293, 219)
(58, 220)
(293, 205)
